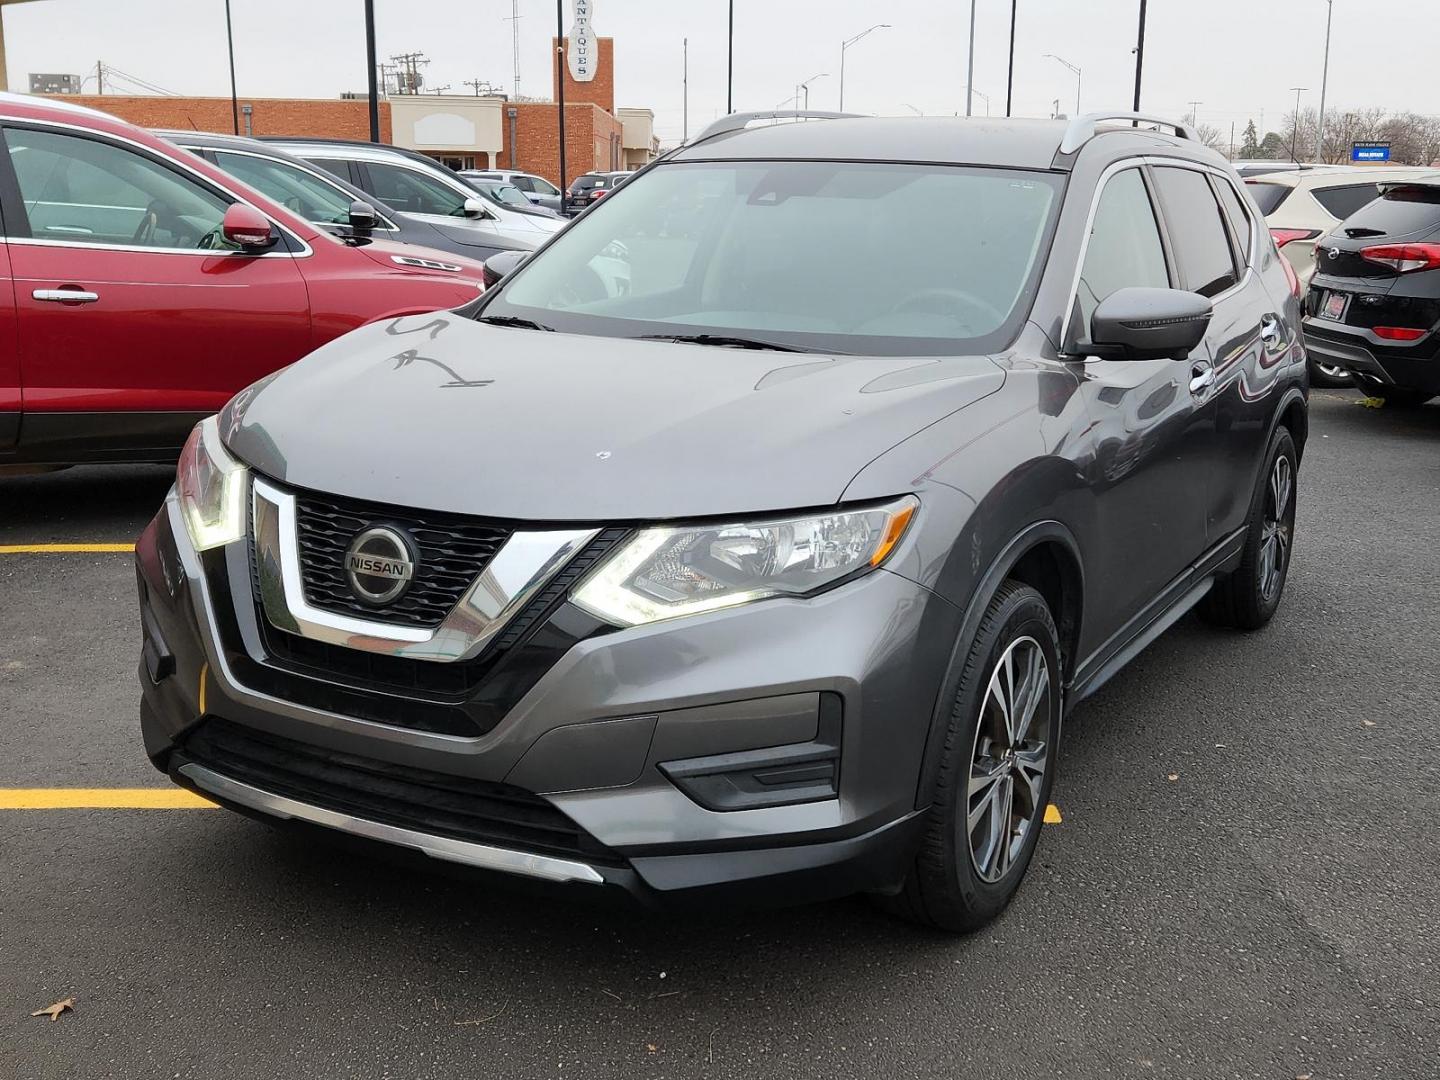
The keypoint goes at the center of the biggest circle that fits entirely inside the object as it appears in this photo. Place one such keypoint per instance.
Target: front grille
(451, 552)
(438, 804)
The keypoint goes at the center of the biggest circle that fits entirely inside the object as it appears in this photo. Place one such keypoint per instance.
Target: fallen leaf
(1372, 402)
(1368, 723)
(1173, 776)
(651, 1047)
(54, 1011)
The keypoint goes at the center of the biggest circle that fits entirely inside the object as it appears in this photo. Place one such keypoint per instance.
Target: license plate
(1335, 305)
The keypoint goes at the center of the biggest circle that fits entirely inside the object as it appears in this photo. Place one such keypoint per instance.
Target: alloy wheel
(1009, 759)
(1276, 529)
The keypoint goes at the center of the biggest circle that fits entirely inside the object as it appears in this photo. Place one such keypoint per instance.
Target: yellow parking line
(1052, 815)
(61, 549)
(101, 799)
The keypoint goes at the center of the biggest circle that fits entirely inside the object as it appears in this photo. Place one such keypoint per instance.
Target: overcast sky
(1236, 57)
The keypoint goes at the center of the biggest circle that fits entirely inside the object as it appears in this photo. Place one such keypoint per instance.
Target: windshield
(893, 259)
(505, 193)
(293, 188)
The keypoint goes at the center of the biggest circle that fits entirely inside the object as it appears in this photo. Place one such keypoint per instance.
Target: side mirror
(476, 208)
(501, 265)
(247, 228)
(1148, 324)
(363, 218)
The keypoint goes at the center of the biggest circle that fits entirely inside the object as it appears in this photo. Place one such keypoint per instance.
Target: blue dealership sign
(1370, 151)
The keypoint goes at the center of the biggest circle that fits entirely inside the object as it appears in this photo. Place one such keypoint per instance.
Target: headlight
(212, 488)
(663, 573)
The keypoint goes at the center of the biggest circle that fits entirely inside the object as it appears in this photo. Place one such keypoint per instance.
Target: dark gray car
(329, 201)
(771, 574)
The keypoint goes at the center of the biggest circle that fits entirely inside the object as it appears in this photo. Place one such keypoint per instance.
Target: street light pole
(730, 65)
(804, 88)
(1324, 81)
(845, 45)
(685, 91)
(970, 69)
(230, 41)
(371, 67)
(560, 83)
(983, 97)
(1295, 126)
(1010, 72)
(1139, 55)
(1076, 70)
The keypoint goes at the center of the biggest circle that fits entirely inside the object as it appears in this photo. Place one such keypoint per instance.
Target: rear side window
(413, 191)
(1124, 248)
(1410, 208)
(1236, 215)
(1202, 249)
(1341, 202)
(1268, 197)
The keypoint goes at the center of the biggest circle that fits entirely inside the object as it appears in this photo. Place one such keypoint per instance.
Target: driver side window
(1124, 248)
(90, 191)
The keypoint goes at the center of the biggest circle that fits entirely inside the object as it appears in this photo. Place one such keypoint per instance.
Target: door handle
(1202, 377)
(66, 296)
(1270, 330)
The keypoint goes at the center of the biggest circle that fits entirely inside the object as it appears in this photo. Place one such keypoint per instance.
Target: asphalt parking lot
(1243, 883)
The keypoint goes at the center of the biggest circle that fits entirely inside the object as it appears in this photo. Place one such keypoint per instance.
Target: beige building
(638, 144)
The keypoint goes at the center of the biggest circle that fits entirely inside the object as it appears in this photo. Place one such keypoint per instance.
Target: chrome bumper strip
(437, 847)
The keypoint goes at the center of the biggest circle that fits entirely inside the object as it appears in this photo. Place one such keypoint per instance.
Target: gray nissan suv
(751, 541)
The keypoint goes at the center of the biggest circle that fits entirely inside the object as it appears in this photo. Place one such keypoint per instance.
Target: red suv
(140, 287)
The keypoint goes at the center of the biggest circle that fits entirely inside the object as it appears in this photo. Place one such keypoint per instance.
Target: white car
(1302, 205)
(413, 184)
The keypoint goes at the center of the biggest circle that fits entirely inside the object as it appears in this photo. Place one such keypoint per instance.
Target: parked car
(149, 287)
(537, 189)
(589, 188)
(765, 578)
(412, 183)
(1299, 206)
(506, 195)
(1247, 167)
(336, 205)
(1373, 308)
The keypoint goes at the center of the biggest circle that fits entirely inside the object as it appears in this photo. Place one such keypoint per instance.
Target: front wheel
(1247, 597)
(997, 769)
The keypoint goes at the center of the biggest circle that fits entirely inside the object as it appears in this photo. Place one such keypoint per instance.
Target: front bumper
(1357, 350)
(769, 752)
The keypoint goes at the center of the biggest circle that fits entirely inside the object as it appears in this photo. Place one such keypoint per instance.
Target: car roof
(1338, 175)
(1017, 143)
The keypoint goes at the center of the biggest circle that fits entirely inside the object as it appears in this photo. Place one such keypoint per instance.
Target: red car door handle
(66, 296)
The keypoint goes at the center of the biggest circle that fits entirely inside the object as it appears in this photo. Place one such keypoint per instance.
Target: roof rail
(1082, 129)
(741, 120)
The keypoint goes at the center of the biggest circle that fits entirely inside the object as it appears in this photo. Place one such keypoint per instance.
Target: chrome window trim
(522, 567)
(316, 174)
(180, 166)
(1111, 170)
(445, 848)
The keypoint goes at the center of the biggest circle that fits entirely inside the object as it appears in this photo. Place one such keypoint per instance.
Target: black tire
(1335, 379)
(946, 887)
(1248, 596)
(1396, 397)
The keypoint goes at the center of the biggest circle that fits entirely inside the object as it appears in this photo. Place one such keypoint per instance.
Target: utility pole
(1295, 126)
(1324, 82)
(730, 65)
(515, 47)
(685, 90)
(1194, 106)
(970, 68)
(99, 76)
(1139, 55)
(230, 42)
(560, 83)
(1232, 140)
(371, 68)
(409, 65)
(1010, 72)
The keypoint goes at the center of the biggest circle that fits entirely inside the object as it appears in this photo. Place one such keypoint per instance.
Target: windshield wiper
(514, 320)
(722, 340)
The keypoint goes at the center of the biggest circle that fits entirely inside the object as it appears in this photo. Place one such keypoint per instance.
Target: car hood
(443, 413)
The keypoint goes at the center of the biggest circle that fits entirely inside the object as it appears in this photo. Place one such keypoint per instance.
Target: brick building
(463, 132)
